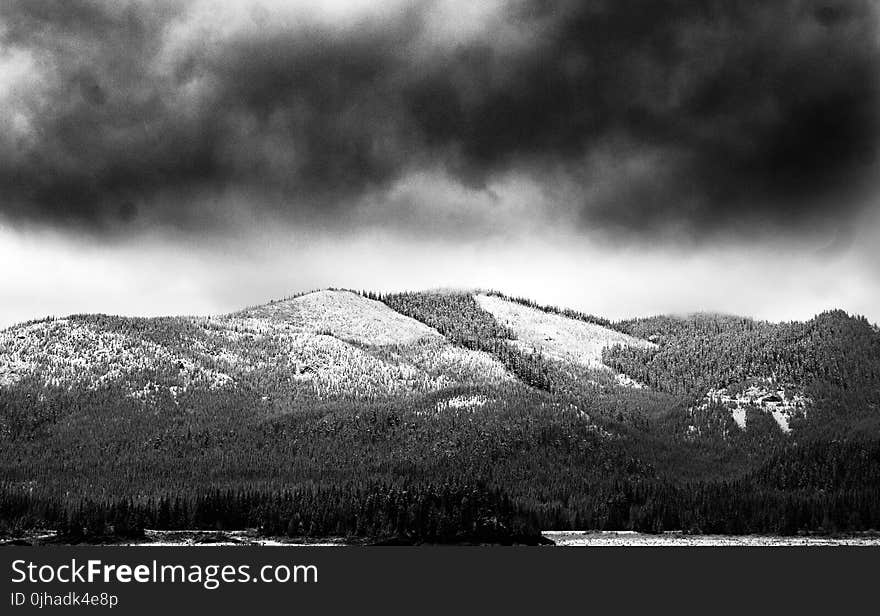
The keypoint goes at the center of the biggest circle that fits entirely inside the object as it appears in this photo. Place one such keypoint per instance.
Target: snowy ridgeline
(767, 397)
(326, 343)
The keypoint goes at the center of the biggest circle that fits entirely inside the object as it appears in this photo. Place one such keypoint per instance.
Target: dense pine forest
(457, 426)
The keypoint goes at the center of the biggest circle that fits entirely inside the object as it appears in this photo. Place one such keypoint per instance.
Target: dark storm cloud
(700, 116)
(299, 117)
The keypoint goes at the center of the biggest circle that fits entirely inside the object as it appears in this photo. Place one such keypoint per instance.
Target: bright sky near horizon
(47, 274)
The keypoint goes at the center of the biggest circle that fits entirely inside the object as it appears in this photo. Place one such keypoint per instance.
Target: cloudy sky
(624, 157)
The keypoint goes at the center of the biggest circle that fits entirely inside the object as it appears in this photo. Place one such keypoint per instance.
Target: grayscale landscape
(544, 272)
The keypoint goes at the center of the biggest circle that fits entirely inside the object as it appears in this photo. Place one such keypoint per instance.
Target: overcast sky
(621, 157)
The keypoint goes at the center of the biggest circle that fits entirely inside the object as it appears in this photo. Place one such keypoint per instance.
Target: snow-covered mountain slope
(342, 342)
(94, 351)
(323, 344)
(345, 315)
(555, 336)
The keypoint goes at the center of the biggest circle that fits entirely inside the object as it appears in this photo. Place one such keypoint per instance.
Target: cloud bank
(625, 118)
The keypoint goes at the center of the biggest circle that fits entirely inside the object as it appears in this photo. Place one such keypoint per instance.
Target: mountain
(438, 416)
(320, 345)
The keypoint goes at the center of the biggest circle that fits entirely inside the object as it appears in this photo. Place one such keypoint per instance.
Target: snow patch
(626, 381)
(764, 396)
(557, 337)
(463, 402)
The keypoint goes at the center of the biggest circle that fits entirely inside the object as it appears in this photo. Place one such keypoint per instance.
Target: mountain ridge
(314, 406)
(337, 321)
(476, 290)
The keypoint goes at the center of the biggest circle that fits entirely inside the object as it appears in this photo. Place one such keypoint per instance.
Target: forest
(557, 447)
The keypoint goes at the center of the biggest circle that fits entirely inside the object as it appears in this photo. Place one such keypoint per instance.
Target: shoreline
(554, 538)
